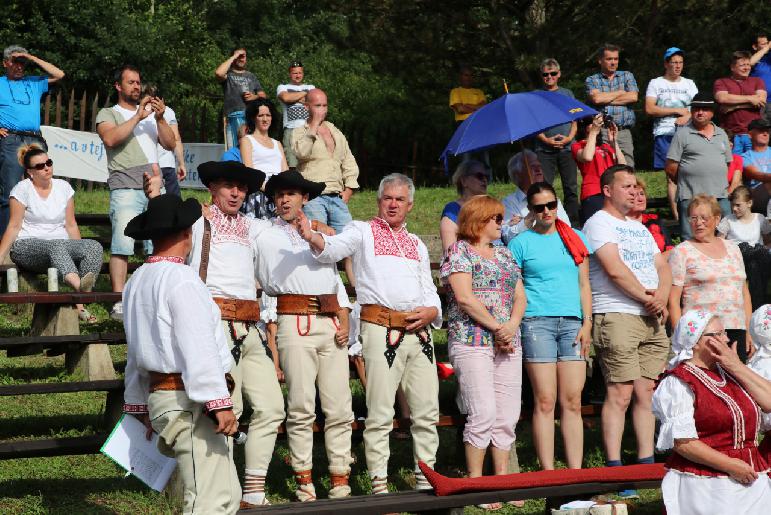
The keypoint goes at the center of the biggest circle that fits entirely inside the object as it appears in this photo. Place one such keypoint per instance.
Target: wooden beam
(71, 387)
(52, 341)
(52, 447)
(59, 298)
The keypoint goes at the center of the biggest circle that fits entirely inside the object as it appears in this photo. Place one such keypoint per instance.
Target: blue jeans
(235, 120)
(742, 143)
(11, 172)
(125, 204)
(329, 209)
(550, 339)
(170, 181)
(685, 225)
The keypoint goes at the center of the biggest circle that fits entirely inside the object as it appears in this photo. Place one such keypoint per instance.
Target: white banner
(81, 155)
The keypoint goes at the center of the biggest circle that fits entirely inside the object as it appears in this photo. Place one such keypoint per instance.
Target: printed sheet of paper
(128, 447)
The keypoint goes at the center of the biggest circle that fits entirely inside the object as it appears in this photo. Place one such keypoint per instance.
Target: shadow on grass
(29, 374)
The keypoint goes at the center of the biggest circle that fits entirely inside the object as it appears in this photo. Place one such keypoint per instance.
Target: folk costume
(309, 295)
(760, 362)
(178, 360)
(709, 405)
(393, 278)
(224, 255)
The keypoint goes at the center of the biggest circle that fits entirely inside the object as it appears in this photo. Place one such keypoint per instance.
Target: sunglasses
(550, 74)
(540, 208)
(41, 166)
(498, 219)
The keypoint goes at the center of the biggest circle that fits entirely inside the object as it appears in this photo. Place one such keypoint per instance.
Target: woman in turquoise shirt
(556, 330)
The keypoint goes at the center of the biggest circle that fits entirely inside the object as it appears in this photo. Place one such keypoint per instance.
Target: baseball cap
(759, 124)
(672, 51)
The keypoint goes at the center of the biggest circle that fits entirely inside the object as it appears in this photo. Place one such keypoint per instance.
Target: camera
(607, 120)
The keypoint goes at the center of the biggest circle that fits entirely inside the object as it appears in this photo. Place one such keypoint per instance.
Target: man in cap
(666, 100)
(398, 304)
(312, 308)
(757, 165)
(178, 360)
(698, 159)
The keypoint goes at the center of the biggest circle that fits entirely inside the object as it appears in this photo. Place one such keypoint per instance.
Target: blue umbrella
(512, 117)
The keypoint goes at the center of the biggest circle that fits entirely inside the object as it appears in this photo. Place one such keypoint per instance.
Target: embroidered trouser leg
(417, 374)
(204, 458)
(309, 356)
(256, 386)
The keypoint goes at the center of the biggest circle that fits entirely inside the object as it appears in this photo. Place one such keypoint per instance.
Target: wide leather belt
(381, 315)
(239, 310)
(160, 381)
(290, 304)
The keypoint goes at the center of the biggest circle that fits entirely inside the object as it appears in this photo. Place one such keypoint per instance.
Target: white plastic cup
(12, 278)
(53, 279)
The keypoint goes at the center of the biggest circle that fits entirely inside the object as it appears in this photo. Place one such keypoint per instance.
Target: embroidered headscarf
(760, 332)
(687, 332)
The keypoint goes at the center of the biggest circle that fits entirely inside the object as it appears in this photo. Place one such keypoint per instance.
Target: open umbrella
(512, 117)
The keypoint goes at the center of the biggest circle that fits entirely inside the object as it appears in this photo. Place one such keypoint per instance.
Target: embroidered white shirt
(173, 326)
(392, 268)
(285, 265)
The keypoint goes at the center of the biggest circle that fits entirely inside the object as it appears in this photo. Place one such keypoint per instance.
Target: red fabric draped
(572, 242)
(447, 486)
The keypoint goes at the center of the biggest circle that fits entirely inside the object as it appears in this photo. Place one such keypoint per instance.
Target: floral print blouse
(712, 285)
(493, 282)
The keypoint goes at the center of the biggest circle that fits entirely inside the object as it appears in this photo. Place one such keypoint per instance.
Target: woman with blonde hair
(486, 302)
(470, 179)
(42, 231)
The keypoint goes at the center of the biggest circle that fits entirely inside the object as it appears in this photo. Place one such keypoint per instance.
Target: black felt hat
(231, 171)
(166, 214)
(703, 100)
(293, 180)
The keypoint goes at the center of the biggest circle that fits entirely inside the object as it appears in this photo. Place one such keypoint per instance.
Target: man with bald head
(323, 155)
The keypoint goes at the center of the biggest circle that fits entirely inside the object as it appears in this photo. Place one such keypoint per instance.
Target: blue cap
(672, 51)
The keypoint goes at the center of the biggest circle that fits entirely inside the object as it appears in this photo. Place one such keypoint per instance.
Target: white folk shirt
(392, 268)
(173, 326)
(285, 265)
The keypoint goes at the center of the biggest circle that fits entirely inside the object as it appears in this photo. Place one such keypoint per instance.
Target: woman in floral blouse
(486, 302)
(708, 275)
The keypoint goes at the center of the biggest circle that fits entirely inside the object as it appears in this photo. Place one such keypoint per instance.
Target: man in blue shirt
(757, 165)
(761, 65)
(614, 92)
(19, 116)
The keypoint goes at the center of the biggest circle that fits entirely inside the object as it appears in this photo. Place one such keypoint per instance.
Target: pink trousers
(490, 387)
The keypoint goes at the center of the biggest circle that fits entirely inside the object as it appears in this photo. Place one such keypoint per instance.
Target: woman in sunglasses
(470, 179)
(486, 301)
(556, 329)
(710, 418)
(42, 231)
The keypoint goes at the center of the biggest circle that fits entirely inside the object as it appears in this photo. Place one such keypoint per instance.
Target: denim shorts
(550, 339)
(125, 204)
(329, 209)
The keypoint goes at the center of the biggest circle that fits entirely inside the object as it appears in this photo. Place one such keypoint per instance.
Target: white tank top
(266, 159)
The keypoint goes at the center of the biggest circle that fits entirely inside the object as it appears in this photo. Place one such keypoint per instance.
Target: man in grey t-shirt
(698, 160)
(238, 86)
(553, 145)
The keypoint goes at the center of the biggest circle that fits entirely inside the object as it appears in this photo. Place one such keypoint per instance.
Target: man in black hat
(312, 308)
(223, 252)
(757, 165)
(178, 360)
(698, 159)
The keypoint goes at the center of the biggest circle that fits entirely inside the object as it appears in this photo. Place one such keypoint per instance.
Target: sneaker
(628, 494)
(117, 311)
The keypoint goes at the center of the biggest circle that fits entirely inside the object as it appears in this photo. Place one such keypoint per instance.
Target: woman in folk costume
(711, 422)
(760, 332)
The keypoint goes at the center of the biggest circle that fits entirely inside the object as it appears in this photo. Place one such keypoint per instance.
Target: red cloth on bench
(448, 485)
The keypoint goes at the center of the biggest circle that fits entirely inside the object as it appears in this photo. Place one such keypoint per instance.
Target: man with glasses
(553, 145)
(666, 101)
(19, 116)
(292, 95)
(614, 92)
(698, 159)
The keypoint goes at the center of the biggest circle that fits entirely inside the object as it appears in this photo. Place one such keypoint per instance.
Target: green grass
(93, 484)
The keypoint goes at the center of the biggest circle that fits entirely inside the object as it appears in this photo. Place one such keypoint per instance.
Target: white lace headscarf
(687, 332)
(760, 332)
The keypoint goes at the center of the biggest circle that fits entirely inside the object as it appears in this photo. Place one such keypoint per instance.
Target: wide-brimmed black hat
(703, 100)
(293, 180)
(759, 124)
(231, 171)
(166, 214)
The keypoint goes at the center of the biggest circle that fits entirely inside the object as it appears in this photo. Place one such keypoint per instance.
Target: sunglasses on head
(41, 166)
(498, 219)
(540, 208)
(550, 74)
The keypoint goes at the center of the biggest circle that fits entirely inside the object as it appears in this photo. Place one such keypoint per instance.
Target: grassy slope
(93, 484)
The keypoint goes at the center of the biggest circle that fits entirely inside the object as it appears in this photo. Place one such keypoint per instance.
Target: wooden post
(58, 116)
(82, 114)
(71, 110)
(94, 110)
(46, 115)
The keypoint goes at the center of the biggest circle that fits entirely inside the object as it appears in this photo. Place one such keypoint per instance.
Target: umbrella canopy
(512, 117)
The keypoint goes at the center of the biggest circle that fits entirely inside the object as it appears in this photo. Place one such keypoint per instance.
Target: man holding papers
(178, 359)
